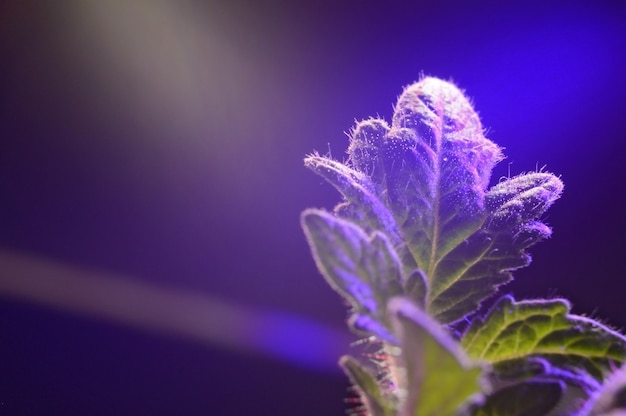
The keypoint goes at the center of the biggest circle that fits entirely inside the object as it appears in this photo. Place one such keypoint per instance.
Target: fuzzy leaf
(531, 398)
(371, 396)
(435, 378)
(473, 270)
(437, 165)
(423, 182)
(364, 269)
(505, 373)
(610, 399)
(577, 385)
(521, 199)
(416, 287)
(544, 328)
(362, 205)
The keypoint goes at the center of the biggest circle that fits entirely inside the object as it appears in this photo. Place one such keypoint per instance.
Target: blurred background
(151, 180)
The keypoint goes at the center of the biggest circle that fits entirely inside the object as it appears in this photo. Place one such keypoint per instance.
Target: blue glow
(548, 71)
(300, 341)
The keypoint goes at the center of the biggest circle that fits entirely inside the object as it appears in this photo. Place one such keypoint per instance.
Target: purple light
(193, 316)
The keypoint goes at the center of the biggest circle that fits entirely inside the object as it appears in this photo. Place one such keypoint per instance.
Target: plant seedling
(419, 241)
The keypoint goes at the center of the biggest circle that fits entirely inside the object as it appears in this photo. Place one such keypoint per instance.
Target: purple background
(164, 141)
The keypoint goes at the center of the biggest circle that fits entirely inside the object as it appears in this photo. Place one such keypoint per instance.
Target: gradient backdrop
(151, 179)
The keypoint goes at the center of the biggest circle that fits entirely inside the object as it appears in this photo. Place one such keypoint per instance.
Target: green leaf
(434, 377)
(535, 367)
(422, 181)
(373, 399)
(532, 398)
(364, 269)
(416, 287)
(437, 164)
(363, 206)
(544, 328)
(578, 386)
(474, 269)
(521, 199)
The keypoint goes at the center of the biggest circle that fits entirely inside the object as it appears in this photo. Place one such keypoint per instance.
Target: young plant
(420, 241)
